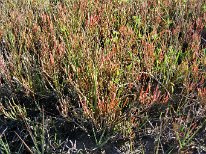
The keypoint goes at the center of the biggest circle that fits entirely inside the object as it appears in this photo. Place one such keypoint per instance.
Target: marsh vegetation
(93, 76)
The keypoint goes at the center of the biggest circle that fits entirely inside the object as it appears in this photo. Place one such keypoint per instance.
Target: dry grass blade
(27, 147)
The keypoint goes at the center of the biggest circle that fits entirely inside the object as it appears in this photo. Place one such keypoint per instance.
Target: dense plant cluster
(110, 72)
